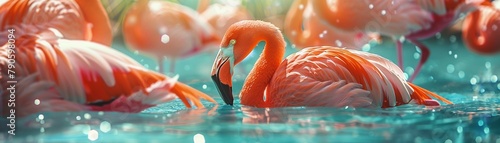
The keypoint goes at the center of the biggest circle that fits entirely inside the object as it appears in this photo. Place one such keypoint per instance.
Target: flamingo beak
(222, 76)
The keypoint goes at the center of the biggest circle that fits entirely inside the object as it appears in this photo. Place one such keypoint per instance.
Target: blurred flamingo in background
(78, 19)
(413, 20)
(221, 16)
(314, 76)
(162, 28)
(73, 75)
(481, 29)
(304, 29)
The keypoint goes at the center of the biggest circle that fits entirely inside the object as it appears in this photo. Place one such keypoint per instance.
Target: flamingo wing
(328, 76)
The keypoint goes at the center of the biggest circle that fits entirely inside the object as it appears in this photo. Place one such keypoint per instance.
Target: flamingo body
(304, 29)
(161, 28)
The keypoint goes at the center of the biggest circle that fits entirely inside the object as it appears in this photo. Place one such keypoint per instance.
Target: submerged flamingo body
(76, 20)
(314, 76)
(75, 75)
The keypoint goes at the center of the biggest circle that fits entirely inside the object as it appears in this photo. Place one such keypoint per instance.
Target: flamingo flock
(65, 62)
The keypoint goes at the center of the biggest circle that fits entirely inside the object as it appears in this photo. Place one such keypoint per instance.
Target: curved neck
(95, 14)
(259, 78)
(293, 23)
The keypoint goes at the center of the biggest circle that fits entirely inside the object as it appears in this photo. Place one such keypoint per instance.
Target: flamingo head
(237, 43)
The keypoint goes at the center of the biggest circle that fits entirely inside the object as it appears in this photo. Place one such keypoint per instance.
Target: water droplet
(450, 68)
(339, 43)
(455, 56)
(146, 65)
(165, 38)
(366, 47)
(324, 31)
(37, 102)
(157, 68)
(416, 55)
(418, 49)
(105, 126)
(370, 6)
(453, 38)
(461, 74)
(78, 118)
(301, 6)
(100, 113)
(93, 135)
(204, 86)
(473, 81)
(487, 65)
(498, 85)
(480, 122)
(450, 52)
(42, 130)
(438, 35)
(494, 27)
(486, 130)
(87, 116)
(494, 78)
(460, 129)
(409, 70)
(199, 138)
(448, 141)
(321, 35)
(479, 139)
(41, 117)
(383, 12)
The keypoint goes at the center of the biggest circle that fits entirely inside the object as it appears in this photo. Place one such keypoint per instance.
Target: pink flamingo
(73, 75)
(304, 29)
(162, 28)
(413, 20)
(314, 76)
(78, 19)
(481, 29)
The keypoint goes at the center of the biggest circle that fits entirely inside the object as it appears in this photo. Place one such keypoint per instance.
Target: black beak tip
(225, 91)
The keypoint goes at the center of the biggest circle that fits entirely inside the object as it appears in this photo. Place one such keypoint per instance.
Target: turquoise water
(467, 79)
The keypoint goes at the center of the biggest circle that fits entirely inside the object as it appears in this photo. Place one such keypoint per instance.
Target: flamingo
(413, 20)
(162, 28)
(304, 29)
(481, 29)
(74, 19)
(314, 76)
(77, 75)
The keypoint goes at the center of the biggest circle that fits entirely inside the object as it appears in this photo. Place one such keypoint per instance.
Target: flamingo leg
(399, 49)
(425, 55)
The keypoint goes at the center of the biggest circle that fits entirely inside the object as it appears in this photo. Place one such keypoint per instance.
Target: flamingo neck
(260, 76)
(95, 14)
